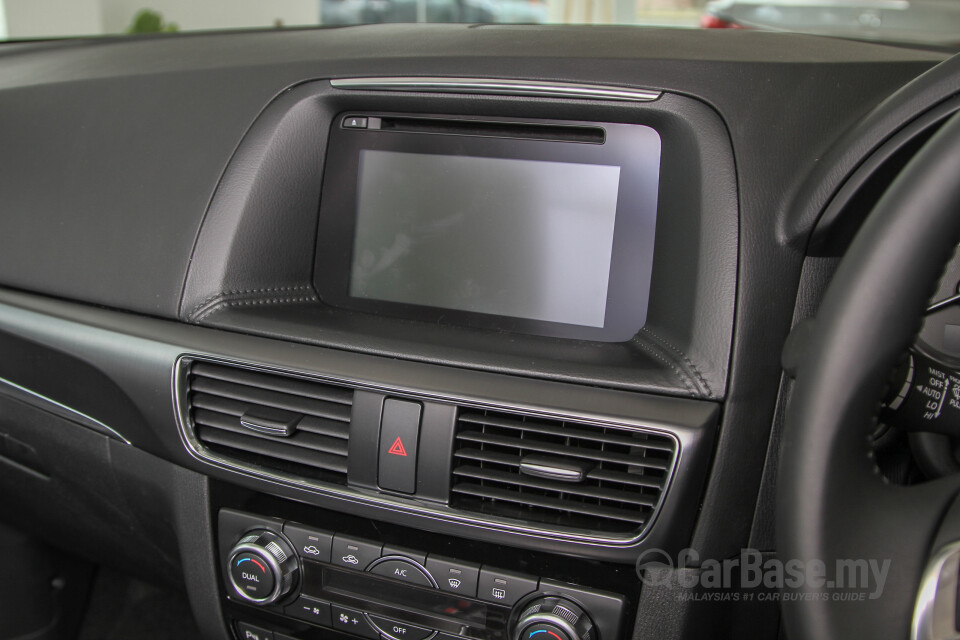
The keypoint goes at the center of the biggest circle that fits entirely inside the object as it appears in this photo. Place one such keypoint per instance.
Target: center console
(467, 356)
(370, 590)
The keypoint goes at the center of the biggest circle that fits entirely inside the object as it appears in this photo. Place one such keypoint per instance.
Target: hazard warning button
(396, 448)
(399, 435)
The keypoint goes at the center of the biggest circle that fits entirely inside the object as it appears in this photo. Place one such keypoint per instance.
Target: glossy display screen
(501, 236)
(536, 227)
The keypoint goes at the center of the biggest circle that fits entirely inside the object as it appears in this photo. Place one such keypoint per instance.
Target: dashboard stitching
(200, 311)
(243, 303)
(663, 342)
(672, 364)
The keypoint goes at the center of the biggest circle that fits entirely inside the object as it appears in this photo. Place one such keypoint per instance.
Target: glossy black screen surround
(635, 149)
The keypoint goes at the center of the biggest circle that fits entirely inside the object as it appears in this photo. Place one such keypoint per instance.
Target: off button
(399, 630)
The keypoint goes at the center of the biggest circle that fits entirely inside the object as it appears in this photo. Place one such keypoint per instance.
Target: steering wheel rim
(832, 503)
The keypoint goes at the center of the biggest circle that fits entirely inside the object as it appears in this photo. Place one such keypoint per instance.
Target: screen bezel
(631, 147)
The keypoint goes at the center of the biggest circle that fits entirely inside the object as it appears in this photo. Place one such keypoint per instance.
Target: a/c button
(399, 630)
(401, 570)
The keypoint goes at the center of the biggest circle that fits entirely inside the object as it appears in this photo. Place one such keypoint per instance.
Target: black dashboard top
(120, 143)
(149, 184)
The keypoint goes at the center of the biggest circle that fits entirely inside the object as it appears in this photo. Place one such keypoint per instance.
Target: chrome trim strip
(946, 302)
(498, 87)
(40, 401)
(265, 430)
(276, 430)
(196, 449)
(934, 618)
(551, 472)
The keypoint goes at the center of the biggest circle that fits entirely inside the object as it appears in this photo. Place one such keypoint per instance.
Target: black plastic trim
(835, 219)
(266, 204)
(31, 397)
(368, 455)
(138, 354)
(491, 129)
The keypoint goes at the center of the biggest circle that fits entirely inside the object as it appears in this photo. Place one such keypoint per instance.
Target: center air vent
(271, 422)
(559, 472)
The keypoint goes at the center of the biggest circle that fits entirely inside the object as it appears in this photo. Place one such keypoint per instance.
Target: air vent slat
(623, 471)
(633, 479)
(273, 449)
(276, 400)
(219, 404)
(478, 473)
(489, 456)
(565, 432)
(234, 408)
(219, 395)
(216, 420)
(303, 440)
(273, 382)
(531, 444)
(623, 515)
(325, 427)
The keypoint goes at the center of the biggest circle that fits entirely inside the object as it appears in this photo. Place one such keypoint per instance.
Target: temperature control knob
(263, 567)
(552, 618)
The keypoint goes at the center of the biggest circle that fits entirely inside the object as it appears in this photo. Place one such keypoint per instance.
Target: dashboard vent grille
(618, 474)
(316, 415)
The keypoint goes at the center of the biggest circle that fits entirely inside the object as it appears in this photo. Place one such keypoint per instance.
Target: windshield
(930, 22)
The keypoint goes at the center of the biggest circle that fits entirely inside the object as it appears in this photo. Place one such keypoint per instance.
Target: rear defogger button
(504, 587)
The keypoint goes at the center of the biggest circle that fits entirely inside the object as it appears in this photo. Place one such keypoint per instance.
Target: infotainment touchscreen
(520, 238)
(519, 229)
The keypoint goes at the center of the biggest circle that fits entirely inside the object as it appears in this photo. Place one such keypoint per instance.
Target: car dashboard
(425, 331)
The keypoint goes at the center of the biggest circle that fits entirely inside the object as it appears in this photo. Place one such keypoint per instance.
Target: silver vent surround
(417, 508)
(619, 488)
(221, 397)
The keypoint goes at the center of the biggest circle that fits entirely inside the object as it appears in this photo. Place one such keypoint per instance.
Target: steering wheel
(833, 505)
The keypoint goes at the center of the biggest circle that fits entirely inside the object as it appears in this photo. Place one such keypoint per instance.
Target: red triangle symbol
(397, 448)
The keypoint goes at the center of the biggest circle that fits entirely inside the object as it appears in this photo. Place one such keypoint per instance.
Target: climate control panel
(369, 589)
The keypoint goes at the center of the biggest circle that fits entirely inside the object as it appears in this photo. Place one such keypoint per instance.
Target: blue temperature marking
(242, 560)
(536, 632)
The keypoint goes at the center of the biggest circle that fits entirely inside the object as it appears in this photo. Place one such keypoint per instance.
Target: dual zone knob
(263, 567)
(553, 618)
